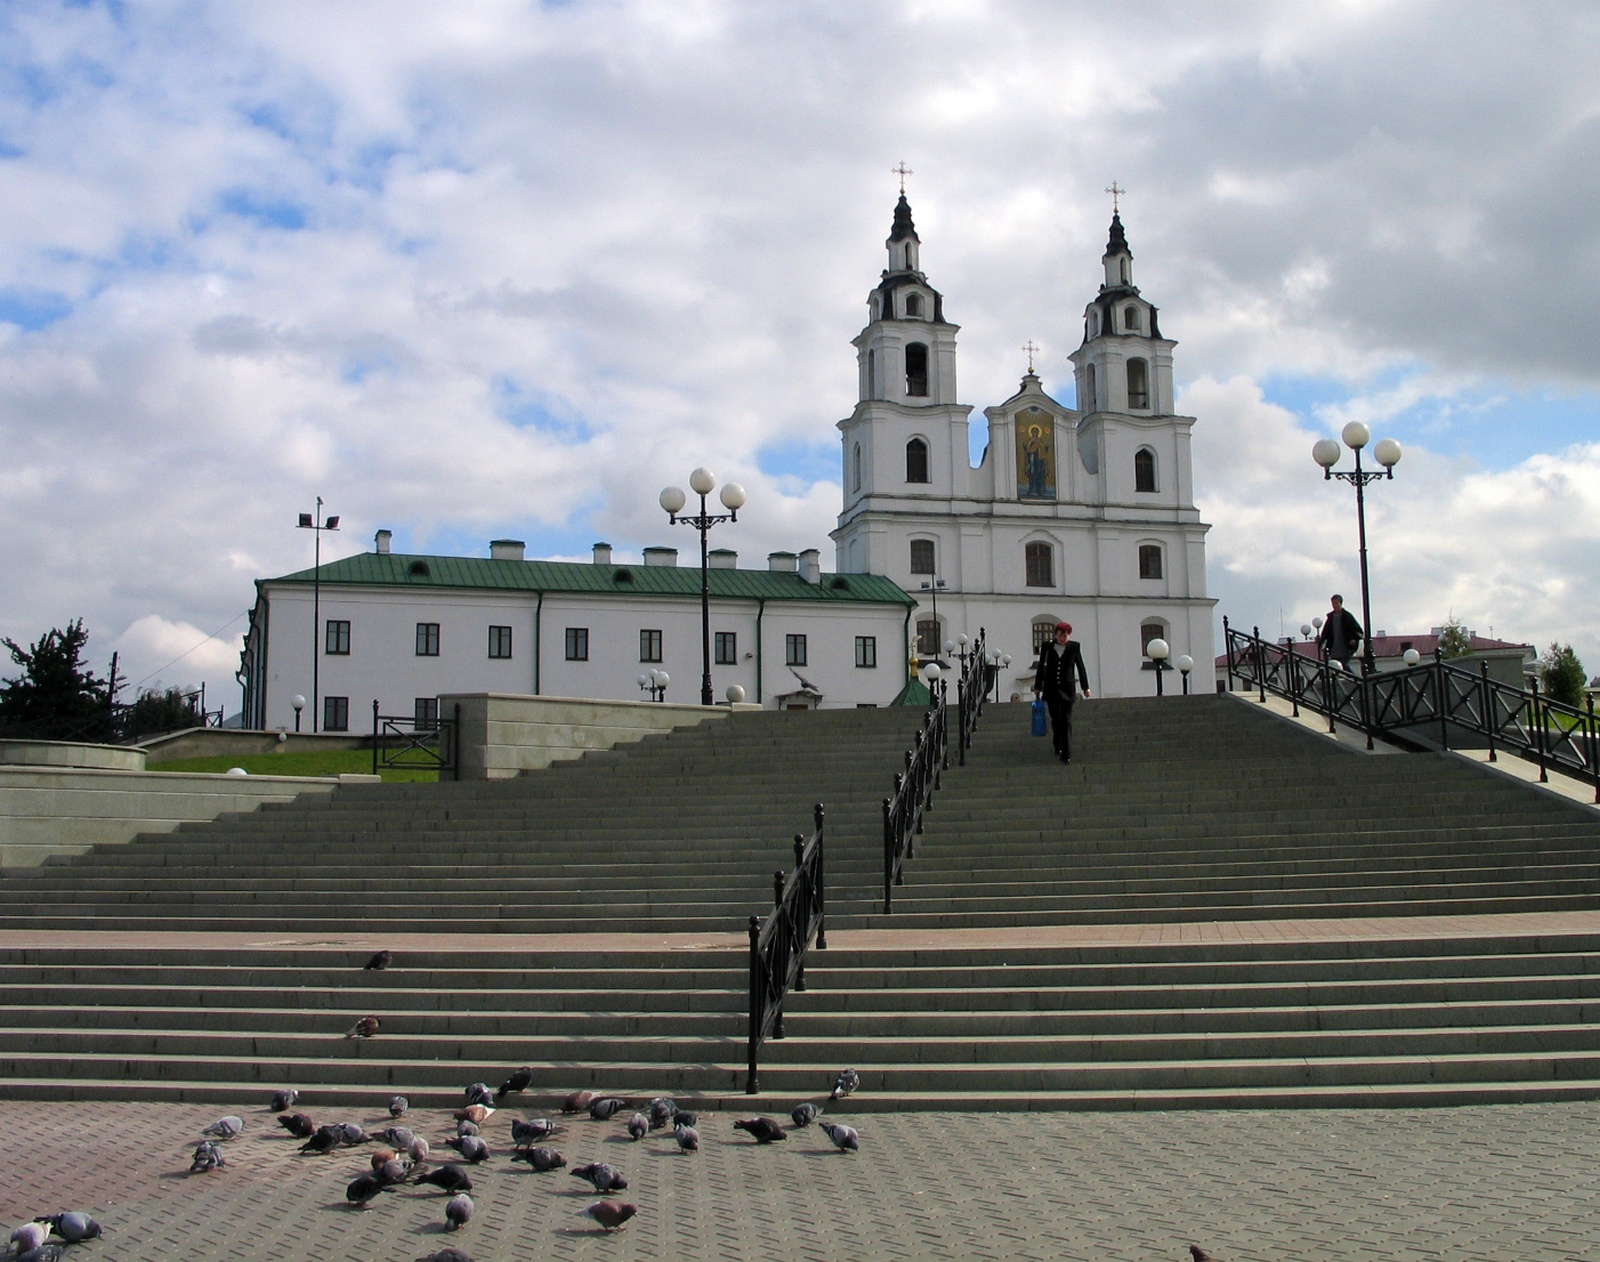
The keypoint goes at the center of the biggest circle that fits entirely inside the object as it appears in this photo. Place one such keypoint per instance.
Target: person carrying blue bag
(1060, 667)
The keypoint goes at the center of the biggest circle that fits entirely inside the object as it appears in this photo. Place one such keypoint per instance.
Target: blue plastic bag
(1041, 717)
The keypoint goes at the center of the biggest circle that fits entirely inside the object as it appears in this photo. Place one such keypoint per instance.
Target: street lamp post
(1387, 453)
(1157, 651)
(299, 704)
(313, 521)
(702, 481)
(933, 587)
(655, 683)
(1185, 664)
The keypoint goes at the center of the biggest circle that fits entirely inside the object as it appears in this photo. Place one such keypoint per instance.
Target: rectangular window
(337, 643)
(336, 714)
(726, 648)
(499, 641)
(794, 650)
(922, 557)
(426, 710)
(1150, 560)
(1039, 561)
(427, 639)
(927, 638)
(866, 650)
(577, 644)
(649, 646)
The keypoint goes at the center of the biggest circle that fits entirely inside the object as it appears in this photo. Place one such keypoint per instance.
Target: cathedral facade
(1083, 513)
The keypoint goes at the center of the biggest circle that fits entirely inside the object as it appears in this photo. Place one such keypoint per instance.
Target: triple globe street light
(702, 482)
(1387, 453)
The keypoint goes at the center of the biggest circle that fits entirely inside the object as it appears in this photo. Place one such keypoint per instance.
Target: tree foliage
(1561, 675)
(1454, 638)
(55, 687)
(168, 711)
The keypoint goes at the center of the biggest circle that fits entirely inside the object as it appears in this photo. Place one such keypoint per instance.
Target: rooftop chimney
(661, 556)
(724, 559)
(602, 554)
(811, 566)
(382, 539)
(782, 562)
(507, 549)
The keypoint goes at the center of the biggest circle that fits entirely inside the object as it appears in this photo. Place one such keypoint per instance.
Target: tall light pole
(312, 521)
(1387, 453)
(702, 481)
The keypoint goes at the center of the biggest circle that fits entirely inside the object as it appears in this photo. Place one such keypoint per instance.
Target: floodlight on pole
(311, 521)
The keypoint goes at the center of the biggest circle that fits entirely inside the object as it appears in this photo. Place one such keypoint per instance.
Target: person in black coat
(1060, 667)
(1340, 636)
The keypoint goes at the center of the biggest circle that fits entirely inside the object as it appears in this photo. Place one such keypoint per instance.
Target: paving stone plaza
(1490, 1182)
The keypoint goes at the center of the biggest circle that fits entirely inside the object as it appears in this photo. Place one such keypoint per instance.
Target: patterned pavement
(1494, 1182)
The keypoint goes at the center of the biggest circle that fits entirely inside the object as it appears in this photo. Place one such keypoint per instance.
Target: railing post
(374, 736)
(752, 1084)
(1542, 739)
(1369, 699)
(777, 914)
(1261, 664)
(822, 885)
(888, 852)
(1488, 708)
(1594, 749)
(1438, 693)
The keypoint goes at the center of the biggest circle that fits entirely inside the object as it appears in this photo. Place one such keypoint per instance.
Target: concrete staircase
(1044, 952)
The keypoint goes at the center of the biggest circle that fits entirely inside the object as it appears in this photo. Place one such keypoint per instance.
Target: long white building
(1083, 513)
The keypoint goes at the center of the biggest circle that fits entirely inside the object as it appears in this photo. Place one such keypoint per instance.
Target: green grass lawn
(316, 763)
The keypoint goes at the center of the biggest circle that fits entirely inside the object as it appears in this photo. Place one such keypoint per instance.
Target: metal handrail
(1408, 703)
(778, 946)
(405, 741)
(969, 708)
(903, 810)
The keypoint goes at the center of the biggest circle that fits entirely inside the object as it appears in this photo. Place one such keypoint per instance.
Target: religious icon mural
(1036, 455)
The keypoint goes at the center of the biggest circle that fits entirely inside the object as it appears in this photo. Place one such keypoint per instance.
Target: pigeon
(605, 1178)
(446, 1254)
(394, 1170)
(380, 1155)
(351, 1134)
(50, 1252)
(470, 1147)
(378, 962)
(458, 1211)
(362, 1189)
(448, 1179)
(283, 1101)
(638, 1126)
(577, 1102)
(804, 1115)
(207, 1157)
(541, 1159)
(418, 1150)
(398, 1106)
(611, 1215)
(605, 1107)
(764, 1129)
(478, 1093)
(364, 1028)
(685, 1117)
(477, 1114)
(661, 1110)
(298, 1125)
(844, 1137)
(29, 1236)
(533, 1130)
(845, 1084)
(225, 1127)
(324, 1140)
(1197, 1254)
(467, 1128)
(398, 1137)
(73, 1226)
(516, 1084)
(688, 1138)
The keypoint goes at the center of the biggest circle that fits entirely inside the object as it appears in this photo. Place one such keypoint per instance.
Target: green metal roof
(393, 569)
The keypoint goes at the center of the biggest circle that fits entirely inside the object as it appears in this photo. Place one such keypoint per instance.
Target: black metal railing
(778, 946)
(971, 689)
(1424, 704)
(418, 744)
(914, 787)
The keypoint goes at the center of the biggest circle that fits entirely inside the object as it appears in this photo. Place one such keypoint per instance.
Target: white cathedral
(1084, 514)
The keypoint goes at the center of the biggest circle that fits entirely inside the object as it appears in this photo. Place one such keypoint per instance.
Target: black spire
(1119, 241)
(903, 227)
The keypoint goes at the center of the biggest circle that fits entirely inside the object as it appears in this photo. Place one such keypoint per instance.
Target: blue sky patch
(808, 460)
(33, 309)
(270, 212)
(528, 410)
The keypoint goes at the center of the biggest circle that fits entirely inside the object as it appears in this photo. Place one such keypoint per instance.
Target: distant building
(401, 630)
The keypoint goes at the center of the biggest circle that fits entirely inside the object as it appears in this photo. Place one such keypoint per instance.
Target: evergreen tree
(1454, 639)
(157, 711)
(55, 690)
(1561, 675)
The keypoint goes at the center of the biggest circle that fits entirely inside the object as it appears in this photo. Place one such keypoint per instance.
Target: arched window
(1149, 560)
(1089, 403)
(917, 461)
(855, 469)
(928, 638)
(1138, 384)
(1124, 271)
(1151, 631)
(923, 557)
(1044, 632)
(1039, 562)
(1130, 319)
(917, 369)
(1094, 327)
(913, 305)
(1144, 470)
(872, 374)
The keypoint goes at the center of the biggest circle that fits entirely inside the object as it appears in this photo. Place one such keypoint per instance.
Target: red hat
(1064, 626)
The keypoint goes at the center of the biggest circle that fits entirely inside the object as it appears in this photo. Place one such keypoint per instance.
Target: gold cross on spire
(1032, 351)
(1116, 191)
(902, 171)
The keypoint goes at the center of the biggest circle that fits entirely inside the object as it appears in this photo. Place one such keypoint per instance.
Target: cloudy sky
(494, 268)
